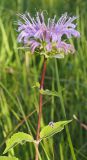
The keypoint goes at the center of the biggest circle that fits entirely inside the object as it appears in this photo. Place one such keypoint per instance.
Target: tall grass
(19, 71)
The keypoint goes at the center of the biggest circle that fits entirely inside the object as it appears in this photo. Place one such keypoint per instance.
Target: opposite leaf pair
(46, 132)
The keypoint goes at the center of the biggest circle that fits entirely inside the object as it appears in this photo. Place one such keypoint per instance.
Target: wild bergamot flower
(48, 38)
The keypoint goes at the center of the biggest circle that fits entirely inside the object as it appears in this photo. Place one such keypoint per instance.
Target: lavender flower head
(47, 38)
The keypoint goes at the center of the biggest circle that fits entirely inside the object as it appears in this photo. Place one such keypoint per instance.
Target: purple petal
(49, 47)
(33, 45)
(35, 33)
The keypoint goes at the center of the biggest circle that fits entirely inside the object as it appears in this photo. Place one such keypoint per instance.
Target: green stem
(64, 113)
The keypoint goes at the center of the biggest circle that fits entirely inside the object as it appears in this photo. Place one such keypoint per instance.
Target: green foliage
(37, 85)
(8, 158)
(18, 72)
(49, 93)
(49, 131)
(18, 138)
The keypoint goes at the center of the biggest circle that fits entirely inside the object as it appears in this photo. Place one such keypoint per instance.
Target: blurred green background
(19, 72)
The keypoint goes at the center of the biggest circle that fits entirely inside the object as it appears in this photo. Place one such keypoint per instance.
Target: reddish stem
(40, 107)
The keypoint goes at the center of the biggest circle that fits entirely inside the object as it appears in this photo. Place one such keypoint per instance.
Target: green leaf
(8, 158)
(37, 85)
(17, 138)
(49, 93)
(52, 129)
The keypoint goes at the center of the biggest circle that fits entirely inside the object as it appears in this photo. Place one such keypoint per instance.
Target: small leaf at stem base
(8, 158)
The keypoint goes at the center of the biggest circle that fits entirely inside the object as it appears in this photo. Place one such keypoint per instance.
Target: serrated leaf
(17, 138)
(8, 158)
(50, 130)
(49, 93)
